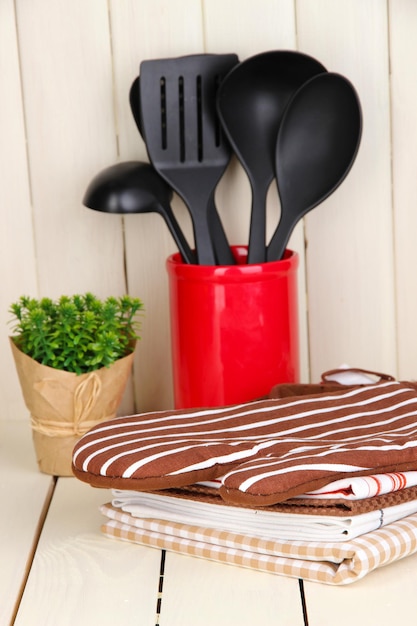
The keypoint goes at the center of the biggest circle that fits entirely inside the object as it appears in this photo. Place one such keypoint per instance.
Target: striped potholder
(266, 451)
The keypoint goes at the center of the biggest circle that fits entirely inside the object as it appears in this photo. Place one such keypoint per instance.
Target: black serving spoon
(251, 101)
(317, 144)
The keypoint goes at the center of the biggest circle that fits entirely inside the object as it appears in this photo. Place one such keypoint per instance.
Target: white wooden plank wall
(65, 71)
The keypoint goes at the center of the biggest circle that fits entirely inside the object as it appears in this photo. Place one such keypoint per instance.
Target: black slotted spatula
(184, 140)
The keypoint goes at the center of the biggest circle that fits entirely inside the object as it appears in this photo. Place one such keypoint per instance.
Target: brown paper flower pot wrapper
(63, 405)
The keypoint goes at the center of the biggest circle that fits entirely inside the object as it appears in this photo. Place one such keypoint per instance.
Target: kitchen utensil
(135, 187)
(251, 101)
(184, 140)
(134, 100)
(317, 144)
(223, 252)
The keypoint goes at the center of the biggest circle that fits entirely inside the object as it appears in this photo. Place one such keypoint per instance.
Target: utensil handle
(203, 244)
(221, 245)
(199, 200)
(257, 232)
(276, 247)
(187, 254)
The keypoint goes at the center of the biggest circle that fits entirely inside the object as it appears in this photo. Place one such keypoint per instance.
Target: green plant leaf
(77, 333)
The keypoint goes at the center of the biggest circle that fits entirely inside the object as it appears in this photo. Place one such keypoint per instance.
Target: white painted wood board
(67, 85)
(197, 592)
(81, 577)
(403, 69)
(25, 492)
(383, 598)
(17, 253)
(351, 295)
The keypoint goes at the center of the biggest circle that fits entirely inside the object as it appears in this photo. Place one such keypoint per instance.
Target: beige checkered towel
(331, 563)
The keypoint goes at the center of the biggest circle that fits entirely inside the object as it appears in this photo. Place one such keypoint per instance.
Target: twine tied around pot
(85, 398)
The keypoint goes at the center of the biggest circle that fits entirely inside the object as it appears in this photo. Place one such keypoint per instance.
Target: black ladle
(251, 101)
(135, 187)
(317, 144)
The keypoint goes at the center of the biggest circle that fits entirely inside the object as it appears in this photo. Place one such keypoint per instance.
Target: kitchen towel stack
(273, 456)
(321, 549)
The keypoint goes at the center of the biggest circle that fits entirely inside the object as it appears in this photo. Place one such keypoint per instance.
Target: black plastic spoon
(317, 144)
(135, 187)
(251, 101)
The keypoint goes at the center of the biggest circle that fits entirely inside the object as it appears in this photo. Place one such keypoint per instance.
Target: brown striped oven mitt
(266, 451)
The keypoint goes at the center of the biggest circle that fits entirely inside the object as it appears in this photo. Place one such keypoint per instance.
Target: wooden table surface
(57, 569)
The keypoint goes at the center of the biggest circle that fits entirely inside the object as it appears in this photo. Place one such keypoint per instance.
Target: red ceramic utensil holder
(234, 329)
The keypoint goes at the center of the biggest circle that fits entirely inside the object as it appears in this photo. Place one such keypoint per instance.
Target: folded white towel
(258, 522)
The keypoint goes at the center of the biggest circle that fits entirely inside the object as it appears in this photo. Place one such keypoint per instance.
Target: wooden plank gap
(296, 24)
(303, 601)
(160, 587)
(25, 131)
(117, 137)
(113, 75)
(392, 191)
(32, 551)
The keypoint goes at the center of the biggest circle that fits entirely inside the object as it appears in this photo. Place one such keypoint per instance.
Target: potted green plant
(73, 357)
